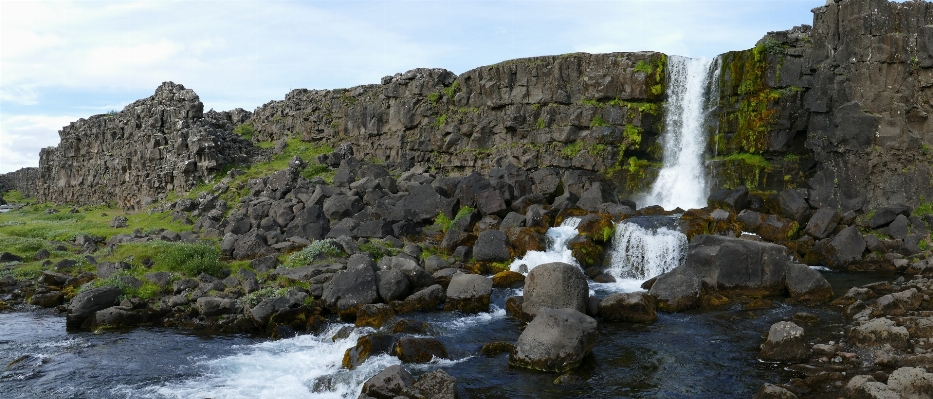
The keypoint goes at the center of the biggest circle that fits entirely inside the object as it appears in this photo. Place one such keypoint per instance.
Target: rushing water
(557, 250)
(643, 248)
(682, 181)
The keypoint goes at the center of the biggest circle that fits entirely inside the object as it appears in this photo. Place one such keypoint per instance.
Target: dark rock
(392, 285)
(556, 286)
(426, 300)
(886, 215)
(83, 305)
(879, 332)
(391, 382)
(420, 349)
(508, 279)
(806, 284)
(41, 254)
(638, 307)
(425, 203)
(350, 289)
(845, 248)
(437, 384)
(898, 228)
(468, 293)
(794, 206)
(250, 245)
(492, 246)
(556, 340)
(769, 391)
(49, 299)
(822, 223)
(374, 315)
(213, 306)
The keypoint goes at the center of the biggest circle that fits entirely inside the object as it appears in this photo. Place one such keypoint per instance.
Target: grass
(598, 121)
(308, 254)
(146, 290)
(571, 150)
(924, 208)
(750, 159)
(378, 249)
(190, 259)
(245, 131)
(643, 66)
(444, 222)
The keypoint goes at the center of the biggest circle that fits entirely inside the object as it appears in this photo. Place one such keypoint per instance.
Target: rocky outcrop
(154, 146)
(841, 108)
(23, 180)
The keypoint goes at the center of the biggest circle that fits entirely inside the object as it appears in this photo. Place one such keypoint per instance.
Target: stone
(250, 245)
(374, 315)
(420, 349)
(428, 299)
(86, 303)
(878, 332)
(437, 384)
(770, 391)
(424, 204)
(794, 206)
(119, 222)
(508, 279)
(556, 340)
(865, 387)
(388, 383)
(846, 247)
(118, 317)
(912, 383)
(49, 299)
(468, 293)
(677, 290)
(556, 286)
(807, 284)
(213, 306)
(785, 343)
(392, 285)
(350, 289)
(637, 307)
(822, 223)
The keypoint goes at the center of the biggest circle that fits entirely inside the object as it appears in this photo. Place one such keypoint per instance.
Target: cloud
(23, 137)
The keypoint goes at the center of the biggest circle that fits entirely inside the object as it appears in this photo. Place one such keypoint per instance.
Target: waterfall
(557, 250)
(641, 252)
(682, 181)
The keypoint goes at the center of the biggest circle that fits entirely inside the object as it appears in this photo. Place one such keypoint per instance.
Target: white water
(639, 253)
(682, 181)
(557, 250)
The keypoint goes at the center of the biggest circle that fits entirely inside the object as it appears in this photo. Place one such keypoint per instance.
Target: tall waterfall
(682, 181)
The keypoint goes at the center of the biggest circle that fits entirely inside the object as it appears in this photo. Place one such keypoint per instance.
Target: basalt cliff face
(157, 145)
(840, 110)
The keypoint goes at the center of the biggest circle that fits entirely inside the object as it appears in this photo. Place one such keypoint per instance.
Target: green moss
(632, 135)
(598, 121)
(440, 121)
(924, 208)
(452, 90)
(571, 150)
(643, 66)
(433, 97)
(539, 124)
(743, 169)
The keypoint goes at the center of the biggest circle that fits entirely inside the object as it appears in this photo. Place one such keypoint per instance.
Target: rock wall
(841, 108)
(584, 111)
(23, 180)
(153, 146)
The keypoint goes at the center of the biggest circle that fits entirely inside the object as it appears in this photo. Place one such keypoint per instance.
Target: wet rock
(556, 286)
(86, 303)
(878, 332)
(822, 223)
(426, 300)
(494, 349)
(865, 387)
(677, 290)
(391, 382)
(806, 284)
(785, 343)
(118, 317)
(437, 384)
(411, 327)
(213, 306)
(769, 391)
(638, 307)
(508, 279)
(420, 349)
(556, 340)
(468, 293)
(374, 315)
(49, 299)
(366, 347)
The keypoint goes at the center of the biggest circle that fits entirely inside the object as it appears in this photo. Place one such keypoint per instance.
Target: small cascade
(557, 251)
(682, 181)
(643, 248)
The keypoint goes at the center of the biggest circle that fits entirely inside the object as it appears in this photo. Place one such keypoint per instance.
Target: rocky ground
(371, 247)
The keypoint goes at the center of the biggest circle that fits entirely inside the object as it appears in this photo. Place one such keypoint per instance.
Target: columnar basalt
(154, 146)
(23, 180)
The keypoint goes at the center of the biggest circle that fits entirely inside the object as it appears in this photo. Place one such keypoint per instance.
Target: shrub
(311, 252)
(191, 259)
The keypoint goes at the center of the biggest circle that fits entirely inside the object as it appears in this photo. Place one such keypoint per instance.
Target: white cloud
(24, 135)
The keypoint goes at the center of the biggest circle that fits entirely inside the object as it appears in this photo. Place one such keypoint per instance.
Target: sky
(65, 60)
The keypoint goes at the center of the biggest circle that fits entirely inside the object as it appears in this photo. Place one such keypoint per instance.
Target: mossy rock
(513, 306)
(585, 251)
(494, 349)
(569, 213)
(508, 279)
(366, 347)
(4, 306)
(374, 315)
(712, 300)
(653, 210)
(419, 349)
(596, 228)
(524, 239)
(757, 303)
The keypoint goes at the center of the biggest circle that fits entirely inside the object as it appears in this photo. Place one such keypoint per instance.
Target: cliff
(153, 146)
(23, 180)
(841, 108)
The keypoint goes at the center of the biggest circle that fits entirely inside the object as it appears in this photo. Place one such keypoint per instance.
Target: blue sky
(61, 61)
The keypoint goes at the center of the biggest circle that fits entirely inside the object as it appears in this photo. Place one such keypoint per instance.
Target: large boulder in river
(785, 343)
(843, 249)
(638, 307)
(350, 289)
(555, 285)
(83, 305)
(556, 340)
(468, 293)
(733, 266)
(388, 383)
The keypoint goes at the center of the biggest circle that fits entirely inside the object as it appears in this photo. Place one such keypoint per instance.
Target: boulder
(468, 293)
(350, 289)
(374, 315)
(865, 387)
(555, 285)
(391, 382)
(770, 391)
(912, 383)
(250, 245)
(638, 307)
(213, 306)
(368, 346)
(845, 248)
(48, 299)
(794, 206)
(420, 349)
(492, 246)
(428, 299)
(677, 290)
(806, 284)
(508, 279)
(822, 223)
(878, 332)
(886, 215)
(737, 265)
(83, 305)
(424, 203)
(785, 343)
(437, 384)
(556, 340)
(392, 285)
(118, 317)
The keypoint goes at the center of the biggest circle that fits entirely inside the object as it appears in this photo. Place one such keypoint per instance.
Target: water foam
(682, 181)
(557, 250)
